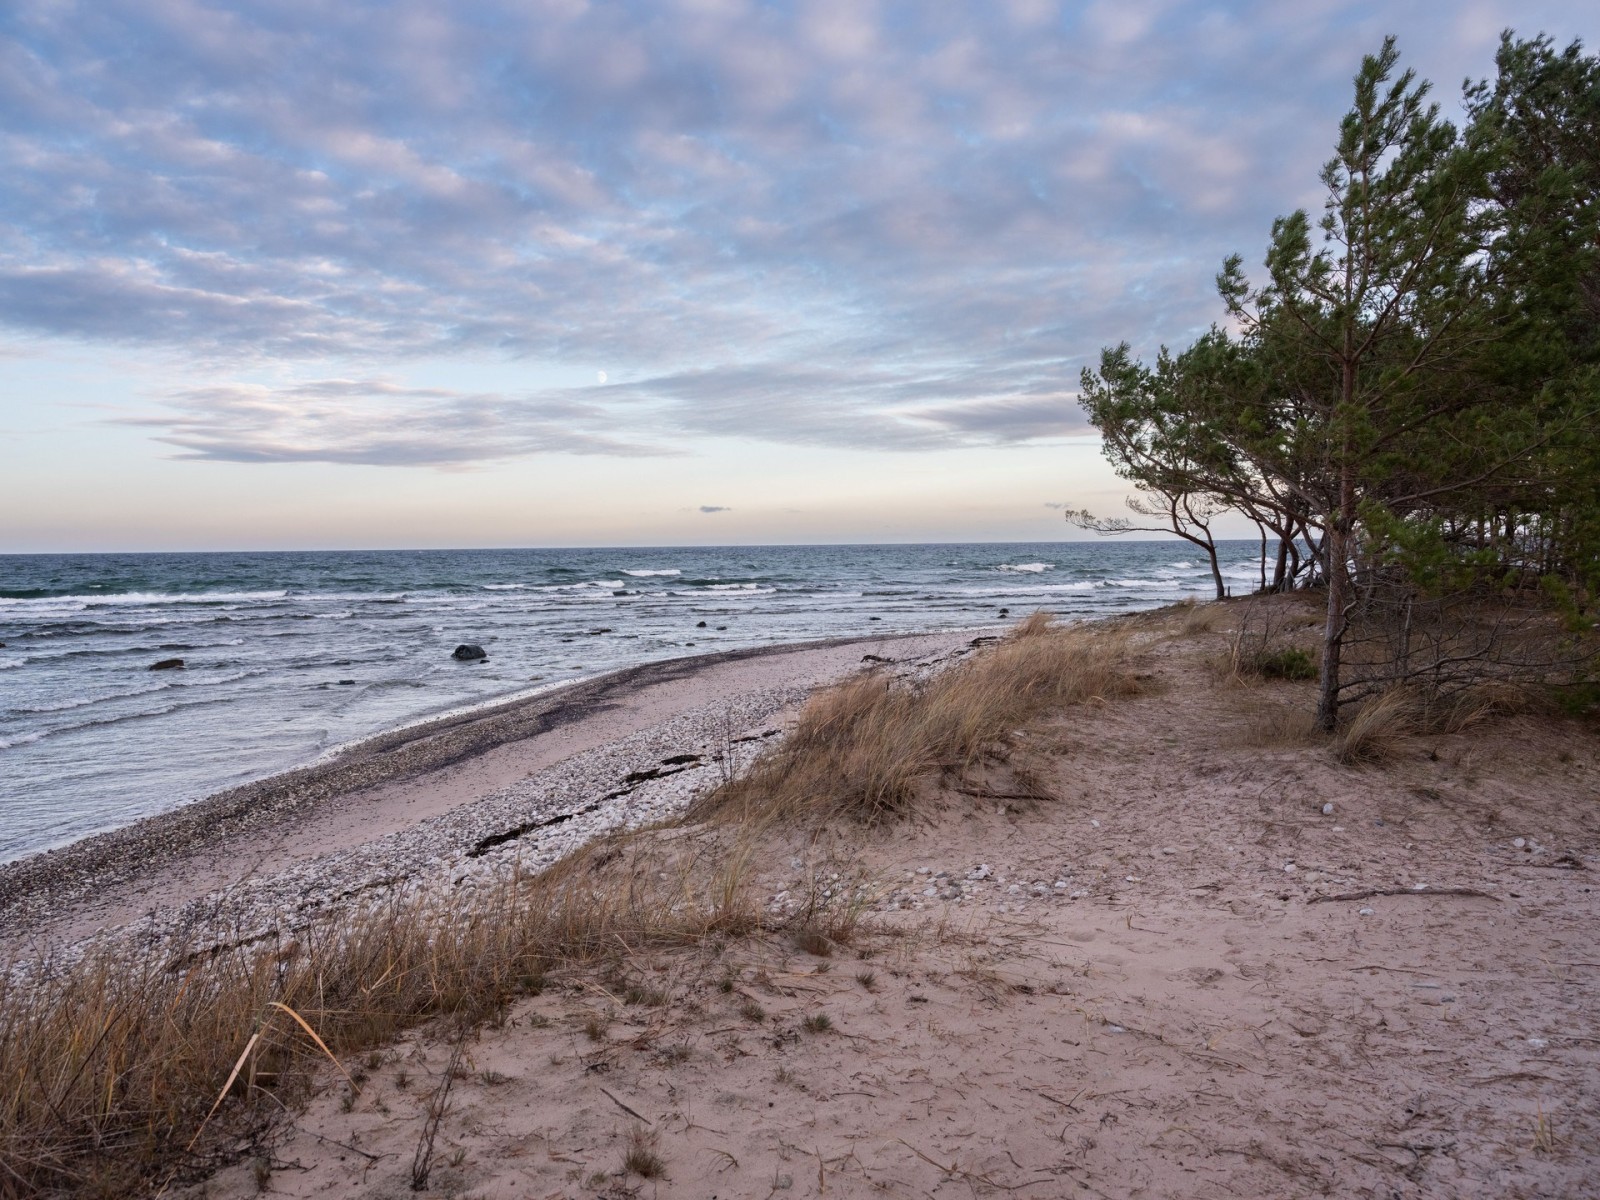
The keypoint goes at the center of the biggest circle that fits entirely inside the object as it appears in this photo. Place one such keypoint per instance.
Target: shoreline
(384, 785)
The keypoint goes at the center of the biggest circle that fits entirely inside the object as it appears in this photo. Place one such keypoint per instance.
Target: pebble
(1290, 868)
(1327, 809)
(1519, 843)
(1366, 912)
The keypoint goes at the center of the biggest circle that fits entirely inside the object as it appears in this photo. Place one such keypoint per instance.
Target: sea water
(288, 656)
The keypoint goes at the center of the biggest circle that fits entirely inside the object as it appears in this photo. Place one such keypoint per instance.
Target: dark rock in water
(699, 624)
(167, 664)
(466, 653)
(1005, 612)
(599, 631)
(874, 618)
(347, 683)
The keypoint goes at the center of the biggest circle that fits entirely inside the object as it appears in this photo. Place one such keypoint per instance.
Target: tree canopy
(1409, 393)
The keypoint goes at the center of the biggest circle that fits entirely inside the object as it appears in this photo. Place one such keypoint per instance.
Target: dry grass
(1201, 618)
(1384, 723)
(1380, 726)
(642, 1159)
(865, 749)
(111, 1066)
(1266, 720)
(130, 1067)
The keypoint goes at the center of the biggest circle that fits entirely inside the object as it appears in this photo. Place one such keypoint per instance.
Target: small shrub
(1288, 663)
(818, 1023)
(1577, 699)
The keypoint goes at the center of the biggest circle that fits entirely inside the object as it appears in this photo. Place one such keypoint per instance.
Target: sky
(683, 272)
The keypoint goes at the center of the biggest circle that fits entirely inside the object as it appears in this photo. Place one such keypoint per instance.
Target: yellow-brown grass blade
(321, 1045)
(232, 1075)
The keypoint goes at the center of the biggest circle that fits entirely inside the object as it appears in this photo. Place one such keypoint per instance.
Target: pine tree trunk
(1279, 584)
(1338, 569)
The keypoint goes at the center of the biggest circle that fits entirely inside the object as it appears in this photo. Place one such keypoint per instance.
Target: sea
(289, 656)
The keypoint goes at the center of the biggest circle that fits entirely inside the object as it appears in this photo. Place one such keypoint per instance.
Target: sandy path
(390, 783)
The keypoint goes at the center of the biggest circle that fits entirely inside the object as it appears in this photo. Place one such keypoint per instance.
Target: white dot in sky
(601, 376)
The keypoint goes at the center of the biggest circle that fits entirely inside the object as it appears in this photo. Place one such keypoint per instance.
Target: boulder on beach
(467, 653)
(167, 664)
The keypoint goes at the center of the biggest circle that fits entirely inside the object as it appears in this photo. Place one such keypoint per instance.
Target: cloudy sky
(548, 272)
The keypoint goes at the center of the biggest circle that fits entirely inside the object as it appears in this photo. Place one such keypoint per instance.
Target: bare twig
(1370, 892)
(631, 1112)
(422, 1160)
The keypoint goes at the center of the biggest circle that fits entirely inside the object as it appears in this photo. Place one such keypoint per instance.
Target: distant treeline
(1408, 404)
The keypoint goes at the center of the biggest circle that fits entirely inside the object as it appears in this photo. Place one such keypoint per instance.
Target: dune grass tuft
(1384, 722)
(866, 748)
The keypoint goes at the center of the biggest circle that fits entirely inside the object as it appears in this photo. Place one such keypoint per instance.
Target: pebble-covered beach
(644, 776)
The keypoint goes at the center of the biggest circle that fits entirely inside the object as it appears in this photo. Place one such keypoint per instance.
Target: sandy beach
(319, 831)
